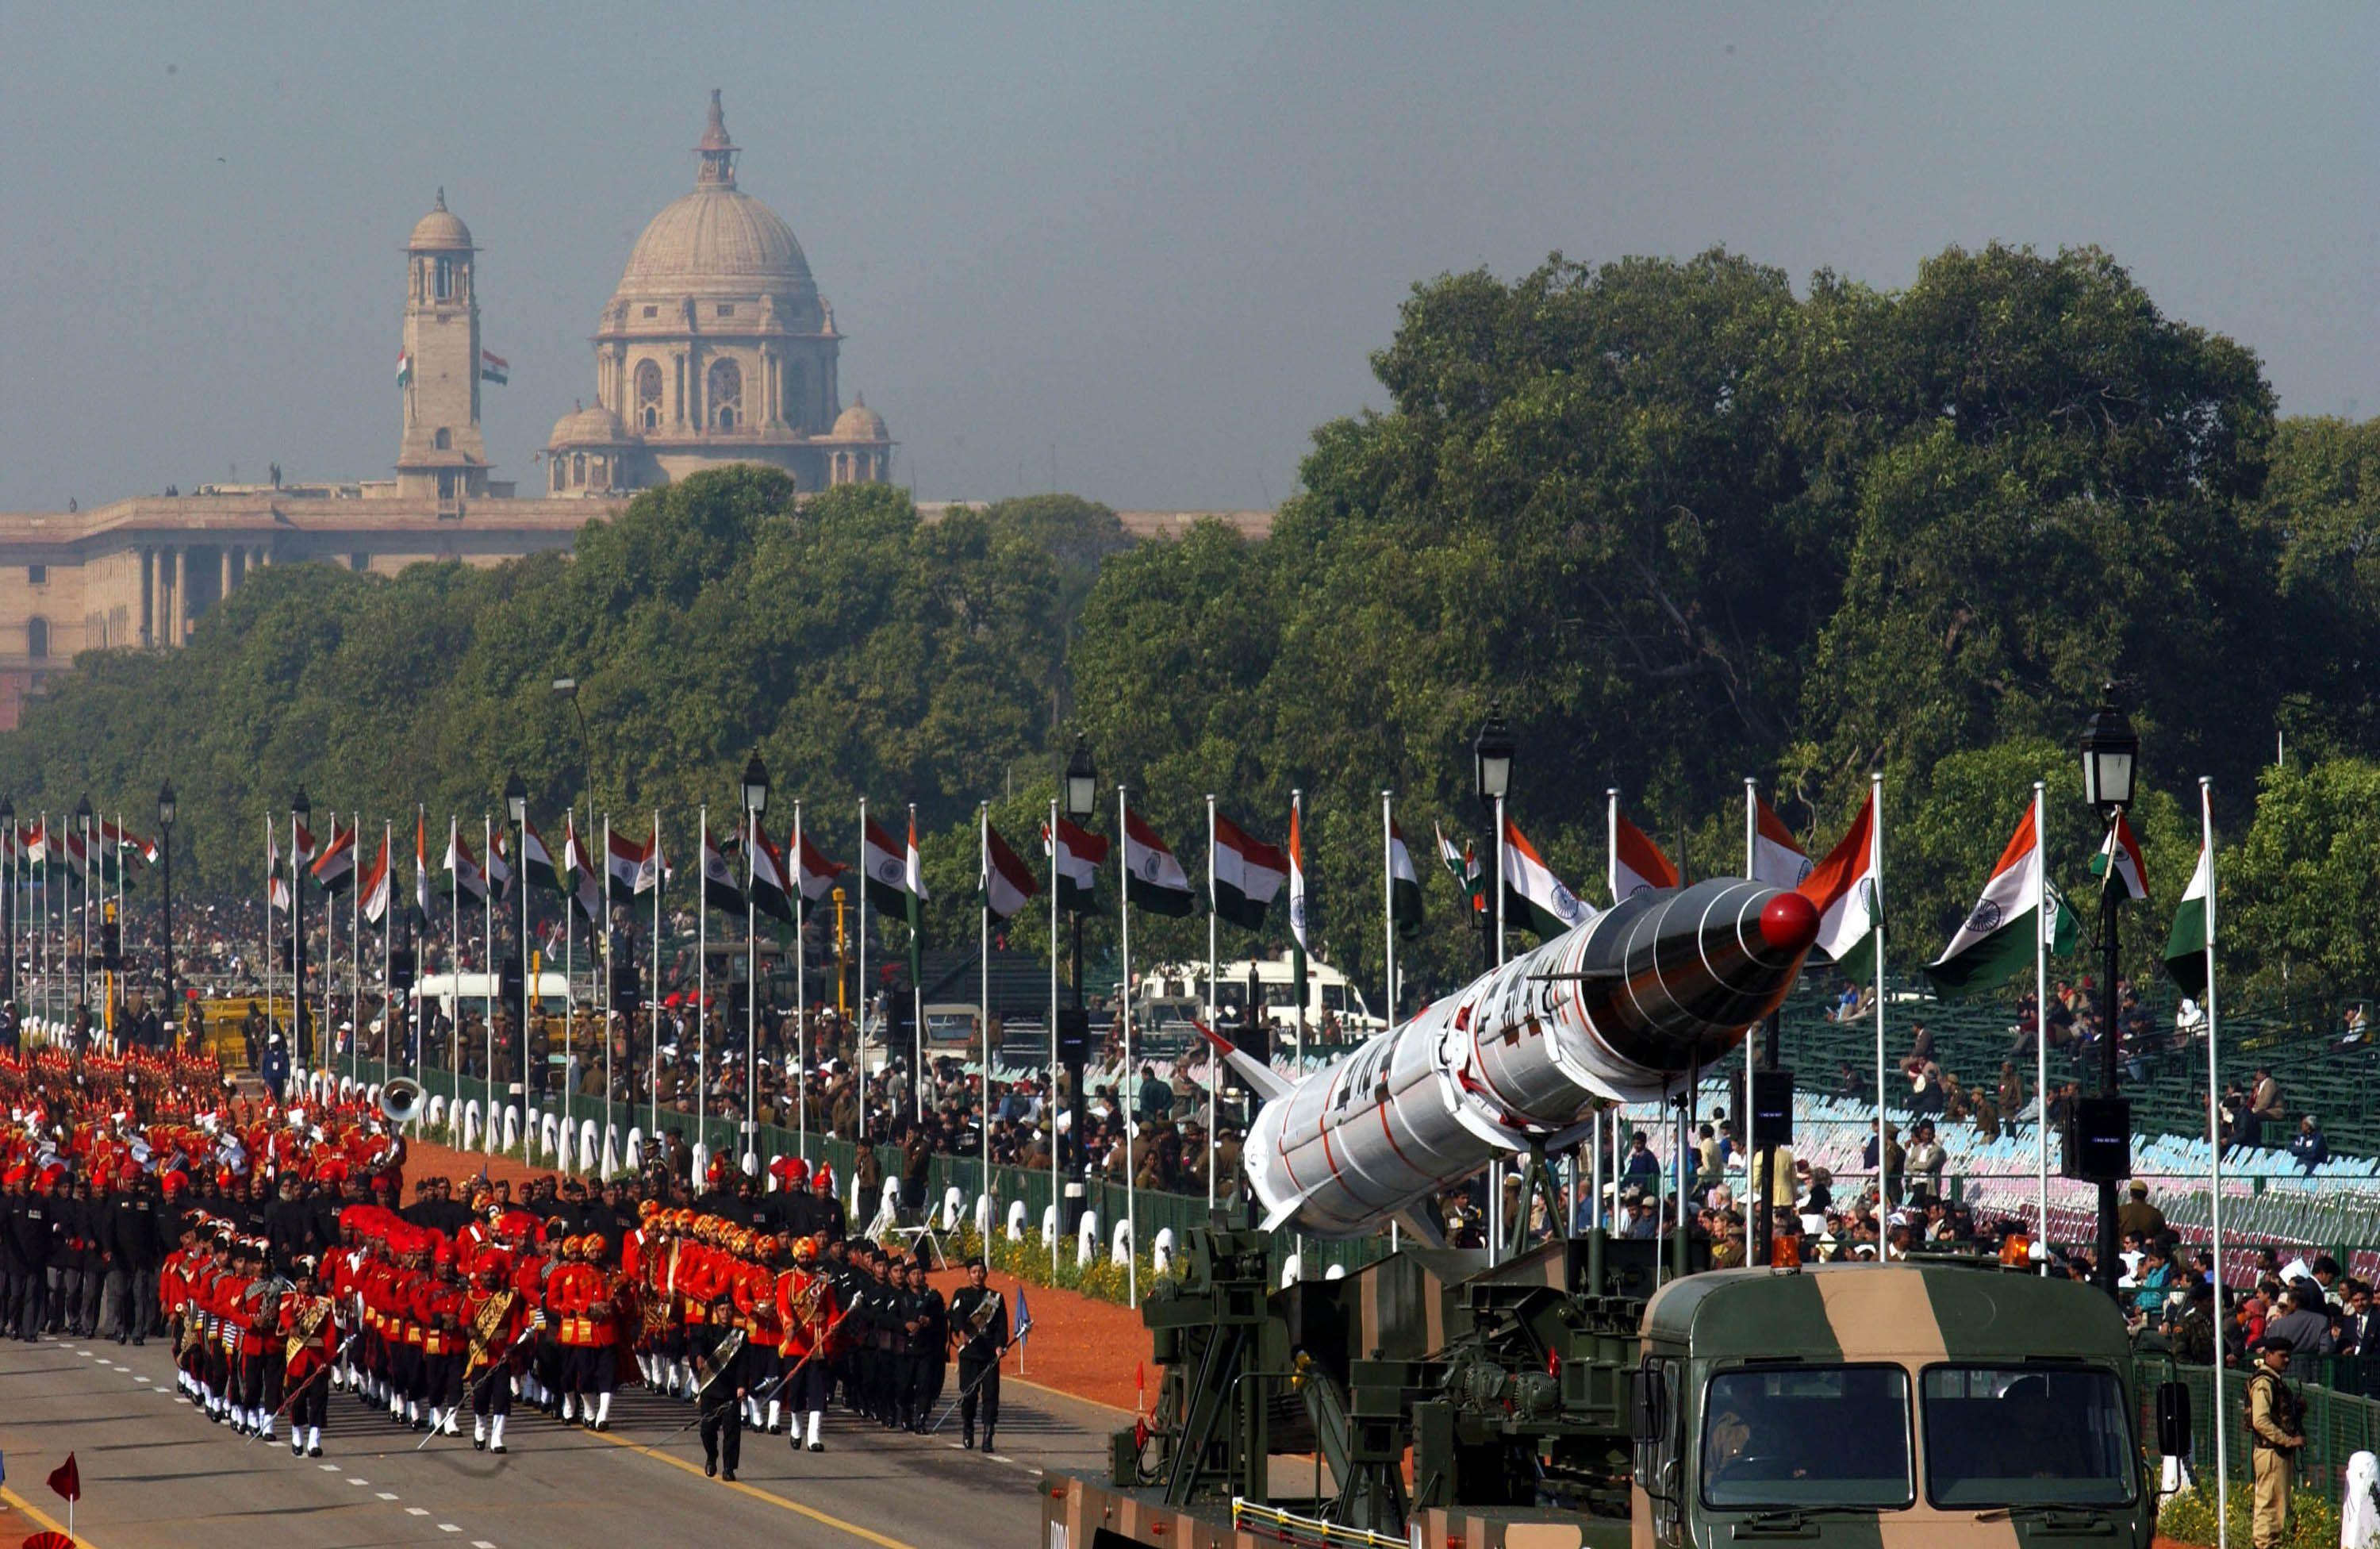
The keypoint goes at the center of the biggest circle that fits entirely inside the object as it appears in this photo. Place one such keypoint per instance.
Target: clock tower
(441, 456)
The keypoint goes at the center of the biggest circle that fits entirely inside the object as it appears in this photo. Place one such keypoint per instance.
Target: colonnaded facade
(716, 348)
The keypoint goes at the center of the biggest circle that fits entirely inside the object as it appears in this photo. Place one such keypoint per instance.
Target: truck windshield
(1792, 1437)
(2025, 1435)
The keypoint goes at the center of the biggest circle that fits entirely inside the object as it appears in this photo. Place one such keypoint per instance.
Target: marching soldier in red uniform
(438, 1310)
(494, 1317)
(806, 1314)
(309, 1334)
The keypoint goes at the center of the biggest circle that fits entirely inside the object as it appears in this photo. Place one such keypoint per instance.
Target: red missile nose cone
(1789, 923)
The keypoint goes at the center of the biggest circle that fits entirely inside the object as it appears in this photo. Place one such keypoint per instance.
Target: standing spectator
(2138, 1217)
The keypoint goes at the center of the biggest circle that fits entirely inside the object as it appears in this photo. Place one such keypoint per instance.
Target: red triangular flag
(66, 1480)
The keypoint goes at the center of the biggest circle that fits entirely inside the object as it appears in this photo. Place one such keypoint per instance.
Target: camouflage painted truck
(1574, 1398)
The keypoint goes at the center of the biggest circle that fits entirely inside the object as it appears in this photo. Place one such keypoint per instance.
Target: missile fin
(1282, 1213)
(1267, 1083)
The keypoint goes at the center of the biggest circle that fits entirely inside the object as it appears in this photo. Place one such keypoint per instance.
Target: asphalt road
(155, 1472)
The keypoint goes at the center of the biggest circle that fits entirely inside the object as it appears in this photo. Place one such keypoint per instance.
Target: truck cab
(1940, 1405)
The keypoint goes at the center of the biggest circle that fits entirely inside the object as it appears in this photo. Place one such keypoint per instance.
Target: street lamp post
(2111, 752)
(1491, 773)
(82, 966)
(165, 860)
(756, 801)
(301, 1049)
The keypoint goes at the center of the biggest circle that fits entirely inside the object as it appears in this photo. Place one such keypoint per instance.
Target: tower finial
(442, 196)
(718, 153)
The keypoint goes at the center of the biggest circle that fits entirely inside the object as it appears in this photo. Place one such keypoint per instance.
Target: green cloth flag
(2194, 929)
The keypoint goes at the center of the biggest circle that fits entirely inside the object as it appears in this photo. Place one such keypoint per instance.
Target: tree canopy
(1685, 523)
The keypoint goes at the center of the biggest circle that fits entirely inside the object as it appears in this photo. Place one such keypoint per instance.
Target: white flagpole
(1388, 933)
(1755, 1179)
(801, 993)
(1496, 1169)
(2040, 1017)
(1125, 1091)
(354, 946)
(702, 972)
(387, 924)
(530, 974)
(488, 968)
(653, 1024)
(983, 1000)
(1049, 1103)
(2214, 1165)
(453, 957)
(1207, 1163)
(917, 985)
(859, 1047)
(1876, 895)
(272, 1007)
(570, 980)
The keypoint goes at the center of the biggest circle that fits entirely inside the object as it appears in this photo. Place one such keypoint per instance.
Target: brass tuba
(401, 1099)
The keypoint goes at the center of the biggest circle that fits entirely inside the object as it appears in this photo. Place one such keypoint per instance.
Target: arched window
(558, 480)
(443, 440)
(723, 390)
(797, 394)
(648, 394)
(578, 470)
(597, 471)
(445, 279)
(37, 638)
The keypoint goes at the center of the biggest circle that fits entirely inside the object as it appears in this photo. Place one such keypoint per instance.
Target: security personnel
(926, 1324)
(2276, 1430)
(979, 1326)
(719, 1346)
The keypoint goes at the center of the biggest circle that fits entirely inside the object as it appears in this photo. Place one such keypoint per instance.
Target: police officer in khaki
(2276, 1425)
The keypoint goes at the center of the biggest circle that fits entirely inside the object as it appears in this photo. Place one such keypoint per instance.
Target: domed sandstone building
(716, 348)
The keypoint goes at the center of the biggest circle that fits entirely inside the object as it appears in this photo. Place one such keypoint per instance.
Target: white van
(1326, 989)
(552, 998)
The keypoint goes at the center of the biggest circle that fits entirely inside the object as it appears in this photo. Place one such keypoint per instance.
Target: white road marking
(330, 1468)
(416, 1511)
(482, 1543)
(386, 1495)
(359, 1484)
(448, 1528)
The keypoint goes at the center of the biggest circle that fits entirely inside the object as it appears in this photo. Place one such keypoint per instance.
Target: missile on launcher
(1623, 1008)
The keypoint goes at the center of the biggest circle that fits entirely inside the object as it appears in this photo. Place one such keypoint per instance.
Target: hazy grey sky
(1150, 245)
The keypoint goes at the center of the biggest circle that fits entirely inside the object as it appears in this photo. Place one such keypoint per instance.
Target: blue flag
(1024, 1314)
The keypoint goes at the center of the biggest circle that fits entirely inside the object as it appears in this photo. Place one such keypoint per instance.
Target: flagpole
(354, 946)
(1125, 1085)
(983, 1001)
(859, 1045)
(2214, 1161)
(703, 973)
(1496, 1169)
(454, 953)
(750, 1159)
(653, 1024)
(915, 887)
(570, 979)
(603, 894)
(1875, 882)
(2040, 1019)
(1206, 1162)
(488, 968)
(421, 907)
(1049, 1103)
(272, 1007)
(1757, 1188)
(531, 1000)
(801, 996)
(1387, 932)
(331, 954)
(387, 926)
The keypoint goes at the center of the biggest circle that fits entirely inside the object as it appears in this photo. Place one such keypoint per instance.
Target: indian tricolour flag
(2193, 928)
(1637, 863)
(884, 867)
(1404, 883)
(375, 899)
(494, 368)
(1996, 941)
(720, 888)
(403, 369)
(1777, 857)
(1247, 874)
(1533, 893)
(536, 862)
(1464, 865)
(1008, 883)
(767, 864)
(1843, 887)
(814, 875)
(1076, 854)
(2132, 871)
(1152, 877)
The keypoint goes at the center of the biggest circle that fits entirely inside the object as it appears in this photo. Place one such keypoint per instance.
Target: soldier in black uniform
(888, 1350)
(720, 1379)
(35, 1235)
(979, 1325)
(843, 1357)
(927, 1323)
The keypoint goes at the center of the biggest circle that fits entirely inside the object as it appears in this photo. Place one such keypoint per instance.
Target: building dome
(860, 423)
(717, 240)
(439, 231)
(588, 427)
